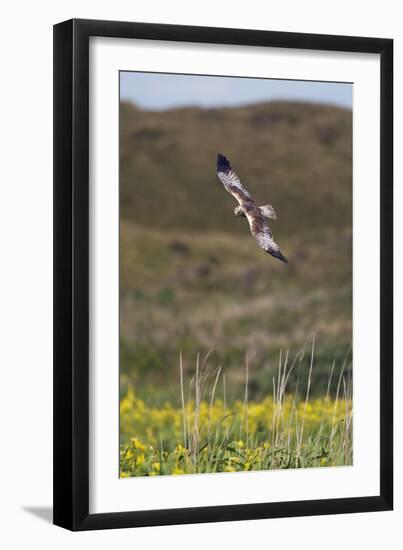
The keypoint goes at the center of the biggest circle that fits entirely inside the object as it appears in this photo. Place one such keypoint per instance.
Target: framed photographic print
(223, 320)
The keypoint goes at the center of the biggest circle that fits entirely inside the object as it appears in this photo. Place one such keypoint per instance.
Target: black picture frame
(71, 274)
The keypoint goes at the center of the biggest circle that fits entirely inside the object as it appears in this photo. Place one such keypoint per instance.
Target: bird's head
(238, 211)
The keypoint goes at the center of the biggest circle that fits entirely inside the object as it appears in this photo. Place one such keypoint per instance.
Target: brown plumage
(256, 215)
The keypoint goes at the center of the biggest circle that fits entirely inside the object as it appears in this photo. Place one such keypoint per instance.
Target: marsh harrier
(256, 215)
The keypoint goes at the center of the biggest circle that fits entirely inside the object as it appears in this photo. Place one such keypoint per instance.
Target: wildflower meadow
(205, 433)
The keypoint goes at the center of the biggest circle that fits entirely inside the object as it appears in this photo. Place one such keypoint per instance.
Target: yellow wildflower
(140, 460)
(137, 444)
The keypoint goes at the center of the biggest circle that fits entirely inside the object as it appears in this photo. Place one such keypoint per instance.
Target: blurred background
(192, 278)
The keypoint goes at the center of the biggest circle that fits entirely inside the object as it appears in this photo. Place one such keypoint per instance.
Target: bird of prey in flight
(256, 215)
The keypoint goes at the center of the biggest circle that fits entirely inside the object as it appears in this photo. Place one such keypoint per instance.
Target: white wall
(26, 280)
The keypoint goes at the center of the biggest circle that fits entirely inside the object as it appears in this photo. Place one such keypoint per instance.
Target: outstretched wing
(231, 181)
(260, 229)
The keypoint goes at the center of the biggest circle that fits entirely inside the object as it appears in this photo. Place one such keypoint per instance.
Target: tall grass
(207, 434)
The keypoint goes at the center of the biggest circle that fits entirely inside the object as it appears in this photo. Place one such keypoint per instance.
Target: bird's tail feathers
(268, 211)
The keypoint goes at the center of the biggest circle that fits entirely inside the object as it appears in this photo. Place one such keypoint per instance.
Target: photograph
(199, 275)
(235, 263)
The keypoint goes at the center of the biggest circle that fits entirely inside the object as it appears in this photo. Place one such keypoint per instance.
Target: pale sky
(156, 91)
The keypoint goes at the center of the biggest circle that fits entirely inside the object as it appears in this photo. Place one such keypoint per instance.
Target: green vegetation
(207, 434)
(194, 292)
(193, 281)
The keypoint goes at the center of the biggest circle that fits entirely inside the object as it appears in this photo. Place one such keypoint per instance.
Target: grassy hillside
(191, 276)
(295, 156)
(194, 293)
